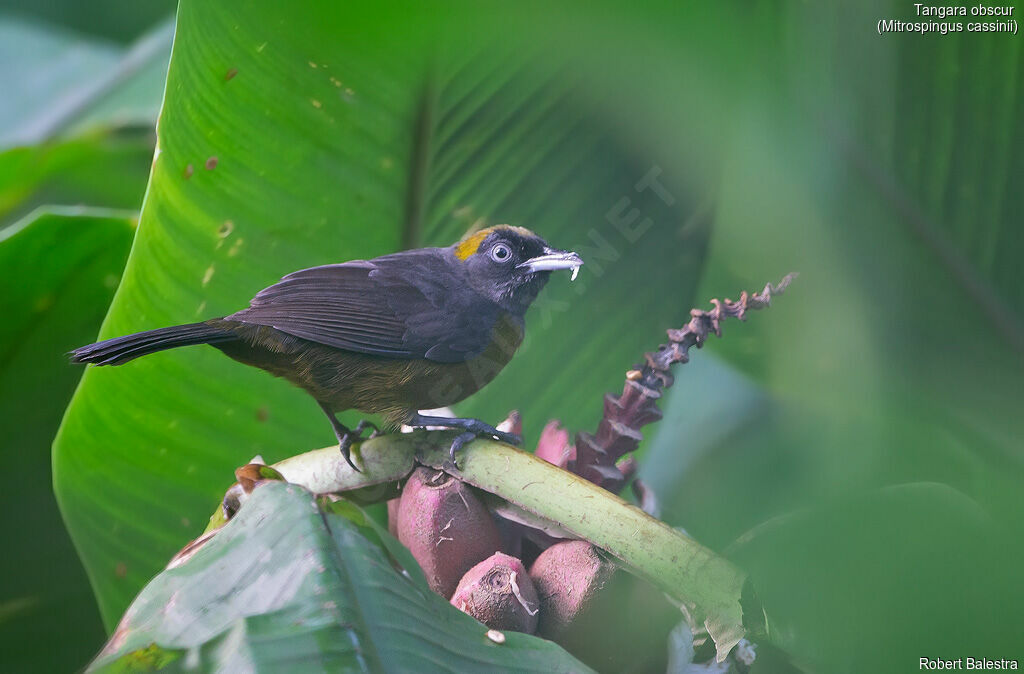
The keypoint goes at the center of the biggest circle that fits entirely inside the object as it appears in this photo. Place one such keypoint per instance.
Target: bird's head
(510, 265)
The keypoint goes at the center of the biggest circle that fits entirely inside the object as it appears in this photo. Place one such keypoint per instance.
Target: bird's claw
(460, 440)
(345, 442)
(345, 445)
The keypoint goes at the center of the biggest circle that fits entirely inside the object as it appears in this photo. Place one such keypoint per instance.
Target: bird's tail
(123, 349)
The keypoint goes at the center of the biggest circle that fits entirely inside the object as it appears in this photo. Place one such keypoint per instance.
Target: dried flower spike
(619, 430)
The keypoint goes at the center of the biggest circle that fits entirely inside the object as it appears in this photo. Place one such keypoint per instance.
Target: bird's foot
(473, 429)
(479, 429)
(349, 436)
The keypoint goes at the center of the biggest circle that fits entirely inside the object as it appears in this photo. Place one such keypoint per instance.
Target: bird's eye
(501, 253)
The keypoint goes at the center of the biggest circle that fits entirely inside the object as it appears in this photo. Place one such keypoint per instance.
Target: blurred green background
(857, 448)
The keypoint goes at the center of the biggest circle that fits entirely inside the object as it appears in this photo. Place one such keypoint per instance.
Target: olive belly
(391, 387)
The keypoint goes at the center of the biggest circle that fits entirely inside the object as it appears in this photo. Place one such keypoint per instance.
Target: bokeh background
(857, 448)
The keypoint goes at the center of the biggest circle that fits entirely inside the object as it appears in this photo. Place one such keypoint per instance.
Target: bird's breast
(431, 385)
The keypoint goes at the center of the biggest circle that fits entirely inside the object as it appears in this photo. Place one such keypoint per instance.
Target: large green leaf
(60, 270)
(130, 93)
(293, 585)
(291, 137)
(54, 80)
(77, 116)
(42, 73)
(99, 169)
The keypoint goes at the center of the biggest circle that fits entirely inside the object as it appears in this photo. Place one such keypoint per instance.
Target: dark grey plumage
(418, 329)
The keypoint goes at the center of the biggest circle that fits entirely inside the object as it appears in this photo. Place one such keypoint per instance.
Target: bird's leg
(346, 435)
(474, 428)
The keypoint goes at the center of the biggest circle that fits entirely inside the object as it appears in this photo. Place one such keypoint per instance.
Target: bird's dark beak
(553, 260)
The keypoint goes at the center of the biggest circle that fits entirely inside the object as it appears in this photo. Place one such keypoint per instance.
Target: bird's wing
(406, 305)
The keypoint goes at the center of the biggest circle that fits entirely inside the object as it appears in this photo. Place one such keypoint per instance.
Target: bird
(415, 330)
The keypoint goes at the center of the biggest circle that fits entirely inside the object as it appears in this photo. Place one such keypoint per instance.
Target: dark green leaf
(53, 79)
(100, 169)
(290, 585)
(60, 272)
(44, 72)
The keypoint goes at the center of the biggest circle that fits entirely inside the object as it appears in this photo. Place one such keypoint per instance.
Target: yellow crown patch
(471, 243)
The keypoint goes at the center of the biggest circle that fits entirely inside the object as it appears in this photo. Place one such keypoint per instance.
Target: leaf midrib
(419, 164)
